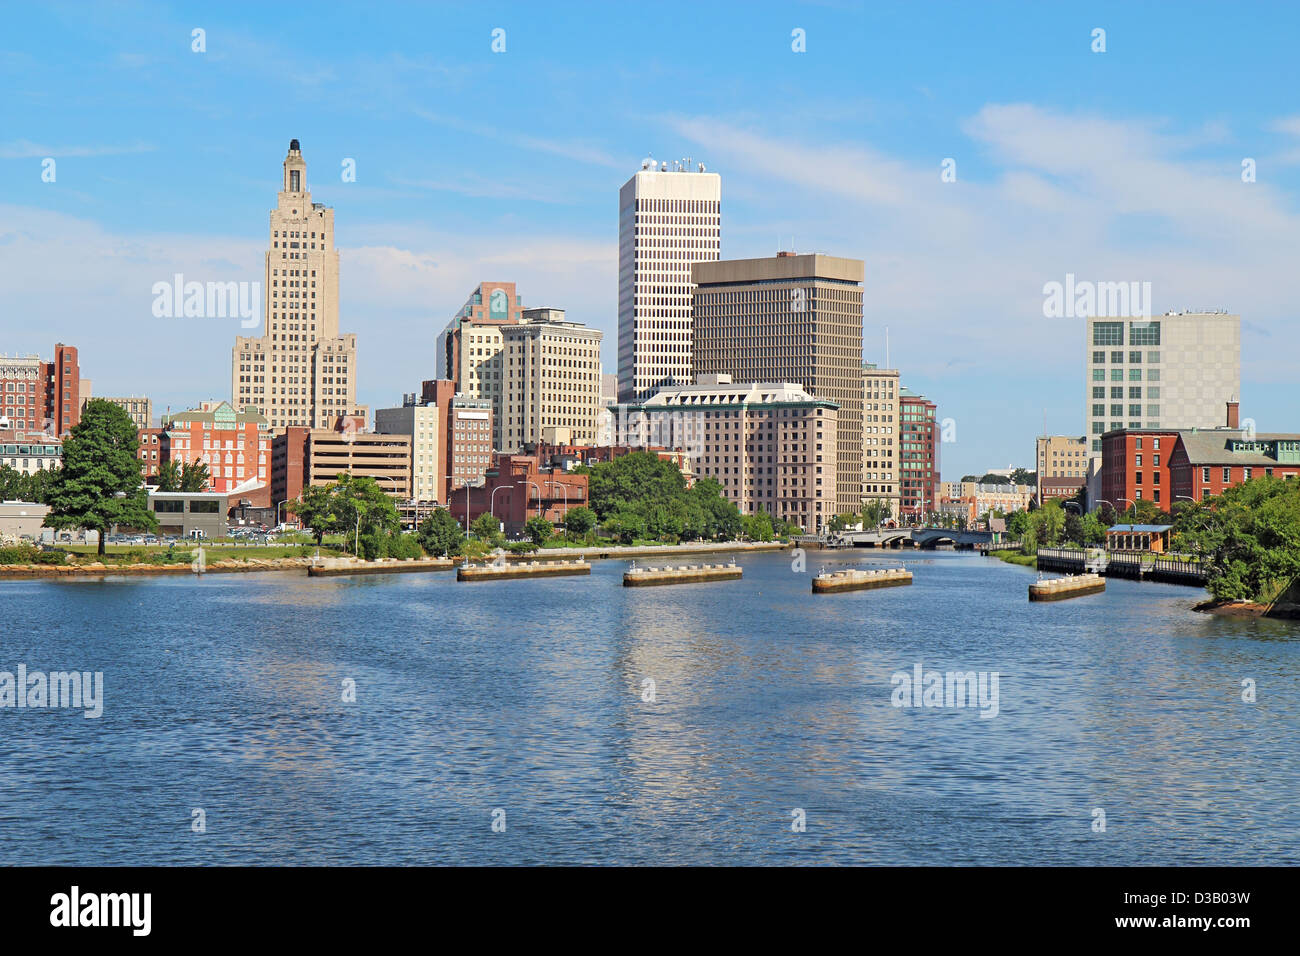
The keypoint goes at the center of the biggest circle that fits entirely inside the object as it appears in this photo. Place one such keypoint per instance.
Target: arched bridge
(913, 538)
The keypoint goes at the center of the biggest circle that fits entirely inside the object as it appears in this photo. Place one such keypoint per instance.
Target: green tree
(440, 533)
(363, 507)
(487, 528)
(315, 508)
(579, 521)
(624, 526)
(169, 476)
(1249, 537)
(758, 526)
(875, 511)
(194, 476)
(539, 529)
(99, 484)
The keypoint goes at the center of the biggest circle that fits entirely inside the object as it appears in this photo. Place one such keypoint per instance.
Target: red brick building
(1135, 466)
(918, 458)
(40, 396)
(151, 452)
(236, 446)
(517, 489)
(1208, 461)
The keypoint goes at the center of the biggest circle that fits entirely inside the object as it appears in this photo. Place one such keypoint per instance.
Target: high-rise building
(552, 379)
(300, 371)
(1172, 371)
(789, 318)
(470, 348)
(40, 396)
(469, 441)
(880, 389)
(771, 445)
(668, 218)
(918, 455)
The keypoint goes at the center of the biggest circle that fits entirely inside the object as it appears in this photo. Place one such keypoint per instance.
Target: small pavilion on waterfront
(1138, 537)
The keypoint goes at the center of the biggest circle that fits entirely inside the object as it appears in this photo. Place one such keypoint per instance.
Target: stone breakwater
(337, 567)
(684, 574)
(531, 569)
(100, 569)
(860, 579)
(1074, 585)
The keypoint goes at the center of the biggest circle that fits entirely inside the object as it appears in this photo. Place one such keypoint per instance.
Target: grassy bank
(1015, 557)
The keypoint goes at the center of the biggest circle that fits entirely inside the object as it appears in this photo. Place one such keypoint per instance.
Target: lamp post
(451, 478)
(1133, 503)
(565, 489)
(278, 521)
(492, 502)
(396, 492)
(539, 497)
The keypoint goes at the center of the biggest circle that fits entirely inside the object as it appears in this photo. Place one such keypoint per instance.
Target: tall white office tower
(669, 216)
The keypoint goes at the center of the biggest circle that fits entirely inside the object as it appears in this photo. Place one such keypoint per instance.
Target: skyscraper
(552, 381)
(1177, 370)
(918, 454)
(471, 347)
(789, 318)
(668, 218)
(300, 371)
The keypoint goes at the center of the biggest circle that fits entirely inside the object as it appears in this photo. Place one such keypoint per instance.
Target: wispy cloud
(25, 149)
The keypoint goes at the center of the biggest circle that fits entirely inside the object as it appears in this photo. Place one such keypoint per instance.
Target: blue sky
(473, 165)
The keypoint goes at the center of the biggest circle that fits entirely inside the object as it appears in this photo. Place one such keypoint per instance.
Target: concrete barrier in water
(636, 577)
(531, 569)
(1073, 585)
(860, 579)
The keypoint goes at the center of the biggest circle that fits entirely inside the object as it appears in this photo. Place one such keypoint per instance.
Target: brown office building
(301, 457)
(789, 318)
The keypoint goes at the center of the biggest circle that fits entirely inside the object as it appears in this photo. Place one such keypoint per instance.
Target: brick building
(918, 456)
(36, 395)
(517, 489)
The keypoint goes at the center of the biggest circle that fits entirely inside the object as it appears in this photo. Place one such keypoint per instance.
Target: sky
(474, 165)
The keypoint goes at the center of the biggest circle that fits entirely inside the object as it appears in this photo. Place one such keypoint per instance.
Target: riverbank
(219, 560)
(1015, 557)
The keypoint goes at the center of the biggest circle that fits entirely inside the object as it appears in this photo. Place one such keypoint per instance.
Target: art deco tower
(300, 371)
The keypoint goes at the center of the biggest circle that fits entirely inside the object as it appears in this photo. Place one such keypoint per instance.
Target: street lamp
(539, 497)
(277, 510)
(451, 478)
(565, 489)
(1133, 503)
(492, 502)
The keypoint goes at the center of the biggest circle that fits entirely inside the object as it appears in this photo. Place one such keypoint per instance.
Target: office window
(1135, 358)
(1098, 391)
(1135, 391)
(1135, 375)
(1117, 358)
(1099, 358)
(1144, 333)
(1108, 333)
(1099, 375)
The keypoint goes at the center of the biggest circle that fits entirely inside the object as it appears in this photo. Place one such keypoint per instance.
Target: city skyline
(1159, 197)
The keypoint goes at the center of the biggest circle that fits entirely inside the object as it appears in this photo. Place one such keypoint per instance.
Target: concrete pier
(636, 577)
(860, 579)
(1074, 585)
(337, 567)
(529, 569)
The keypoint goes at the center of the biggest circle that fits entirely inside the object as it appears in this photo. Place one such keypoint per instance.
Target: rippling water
(224, 693)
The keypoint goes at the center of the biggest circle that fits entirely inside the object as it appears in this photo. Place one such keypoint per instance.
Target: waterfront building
(918, 468)
(36, 395)
(552, 379)
(190, 514)
(425, 423)
(236, 446)
(517, 488)
(1061, 463)
(303, 457)
(1169, 372)
(669, 216)
(880, 390)
(139, 408)
(471, 347)
(1208, 461)
(1135, 466)
(22, 520)
(789, 318)
(300, 372)
(771, 445)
